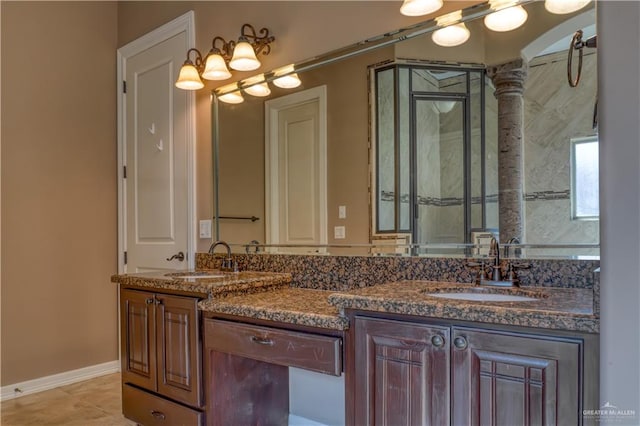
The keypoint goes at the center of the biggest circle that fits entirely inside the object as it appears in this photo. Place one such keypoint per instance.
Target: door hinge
(125, 257)
(124, 86)
(124, 172)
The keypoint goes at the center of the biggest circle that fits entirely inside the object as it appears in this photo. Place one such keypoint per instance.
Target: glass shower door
(439, 132)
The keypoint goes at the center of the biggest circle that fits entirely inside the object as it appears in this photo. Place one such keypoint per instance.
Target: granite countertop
(288, 305)
(557, 308)
(208, 283)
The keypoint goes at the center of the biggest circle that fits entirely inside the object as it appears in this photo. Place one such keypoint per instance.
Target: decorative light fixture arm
(225, 50)
(260, 42)
(198, 62)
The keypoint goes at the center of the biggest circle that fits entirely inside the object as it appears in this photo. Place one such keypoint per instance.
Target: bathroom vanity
(217, 351)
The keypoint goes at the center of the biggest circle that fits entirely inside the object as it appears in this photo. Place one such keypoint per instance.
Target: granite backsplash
(341, 273)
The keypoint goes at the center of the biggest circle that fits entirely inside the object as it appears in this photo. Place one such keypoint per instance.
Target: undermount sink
(487, 294)
(195, 274)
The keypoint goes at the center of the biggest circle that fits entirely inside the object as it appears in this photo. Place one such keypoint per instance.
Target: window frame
(573, 193)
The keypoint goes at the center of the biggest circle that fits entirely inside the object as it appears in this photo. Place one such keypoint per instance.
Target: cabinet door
(402, 373)
(178, 348)
(514, 379)
(138, 336)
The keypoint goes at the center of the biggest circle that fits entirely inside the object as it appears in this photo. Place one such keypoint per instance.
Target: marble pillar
(508, 80)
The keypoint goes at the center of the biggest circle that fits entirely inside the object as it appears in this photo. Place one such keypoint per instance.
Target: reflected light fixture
(286, 78)
(507, 16)
(444, 107)
(419, 7)
(241, 56)
(561, 7)
(256, 86)
(230, 94)
(453, 32)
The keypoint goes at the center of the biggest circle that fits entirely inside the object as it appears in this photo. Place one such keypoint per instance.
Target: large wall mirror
(428, 182)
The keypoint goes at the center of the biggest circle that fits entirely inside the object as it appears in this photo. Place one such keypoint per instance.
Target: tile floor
(95, 402)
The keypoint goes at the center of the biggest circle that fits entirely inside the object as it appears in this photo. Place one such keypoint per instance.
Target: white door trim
(184, 23)
(272, 111)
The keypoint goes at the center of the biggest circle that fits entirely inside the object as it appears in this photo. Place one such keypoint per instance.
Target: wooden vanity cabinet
(161, 353)
(412, 373)
(402, 373)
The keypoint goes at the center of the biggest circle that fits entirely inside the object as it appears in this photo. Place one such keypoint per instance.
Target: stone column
(508, 80)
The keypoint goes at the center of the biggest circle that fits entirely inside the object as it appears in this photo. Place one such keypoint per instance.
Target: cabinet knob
(460, 342)
(149, 301)
(437, 341)
(158, 414)
(158, 302)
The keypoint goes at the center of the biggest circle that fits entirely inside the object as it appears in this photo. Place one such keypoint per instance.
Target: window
(584, 178)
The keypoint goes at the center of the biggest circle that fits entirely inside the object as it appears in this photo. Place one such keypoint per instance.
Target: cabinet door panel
(508, 379)
(138, 338)
(178, 348)
(401, 377)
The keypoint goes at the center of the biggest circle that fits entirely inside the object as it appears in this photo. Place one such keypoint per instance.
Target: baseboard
(57, 380)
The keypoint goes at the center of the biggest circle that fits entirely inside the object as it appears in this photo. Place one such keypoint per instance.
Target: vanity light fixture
(420, 7)
(241, 56)
(256, 86)
(453, 32)
(230, 94)
(189, 77)
(507, 16)
(286, 78)
(561, 7)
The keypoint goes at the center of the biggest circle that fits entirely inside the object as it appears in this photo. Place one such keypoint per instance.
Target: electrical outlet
(339, 232)
(342, 212)
(205, 229)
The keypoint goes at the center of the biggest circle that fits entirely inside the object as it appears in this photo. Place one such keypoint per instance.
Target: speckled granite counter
(288, 305)
(559, 308)
(207, 283)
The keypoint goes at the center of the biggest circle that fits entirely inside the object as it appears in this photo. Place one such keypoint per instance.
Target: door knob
(179, 256)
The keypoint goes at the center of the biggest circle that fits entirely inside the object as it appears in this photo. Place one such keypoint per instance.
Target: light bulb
(561, 7)
(261, 89)
(506, 19)
(244, 57)
(419, 7)
(231, 98)
(215, 68)
(189, 79)
(453, 35)
(288, 81)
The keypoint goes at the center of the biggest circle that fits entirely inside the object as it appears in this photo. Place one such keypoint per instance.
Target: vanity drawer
(150, 410)
(289, 348)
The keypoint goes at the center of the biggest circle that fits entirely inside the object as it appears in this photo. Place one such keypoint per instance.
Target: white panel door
(296, 169)
(156, 158)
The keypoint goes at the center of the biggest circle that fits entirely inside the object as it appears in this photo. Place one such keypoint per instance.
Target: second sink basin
(487, 294)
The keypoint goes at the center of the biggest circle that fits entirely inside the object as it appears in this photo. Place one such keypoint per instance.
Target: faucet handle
(481, 271)
(511, 271)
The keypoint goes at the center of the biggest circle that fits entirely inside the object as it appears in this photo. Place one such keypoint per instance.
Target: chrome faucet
(496, 277)
(227, 264)
(512, 241)
(494, 256)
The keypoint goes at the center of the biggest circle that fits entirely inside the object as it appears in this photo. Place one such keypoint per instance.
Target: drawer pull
(261, 340)
(158, 414)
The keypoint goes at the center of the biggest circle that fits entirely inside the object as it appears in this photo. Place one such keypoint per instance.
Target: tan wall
(58, 187)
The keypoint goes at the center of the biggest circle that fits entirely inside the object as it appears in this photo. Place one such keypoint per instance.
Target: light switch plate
(205, 229)
(339, 232)
(342, 212)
